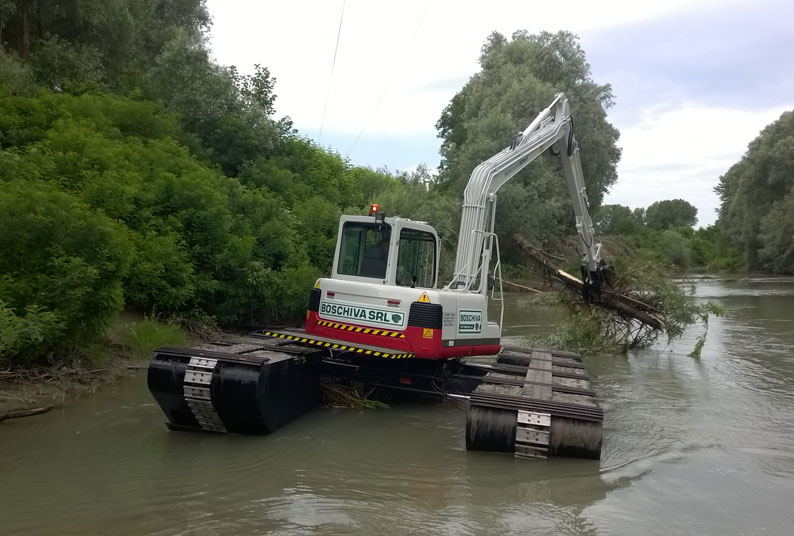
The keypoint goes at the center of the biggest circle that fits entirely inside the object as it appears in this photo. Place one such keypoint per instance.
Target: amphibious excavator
(383, 321)
(383, 290)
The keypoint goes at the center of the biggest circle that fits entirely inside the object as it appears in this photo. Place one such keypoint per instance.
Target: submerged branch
(25, 413)
(642, 303)
(620, 300)
(343, 395)
(519, 286)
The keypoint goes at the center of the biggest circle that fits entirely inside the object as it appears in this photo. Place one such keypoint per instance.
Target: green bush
(243, 249)
(675, 249)
(733, 264)
(14, 75)
(161, 276)
(25, 338)
(62, 264)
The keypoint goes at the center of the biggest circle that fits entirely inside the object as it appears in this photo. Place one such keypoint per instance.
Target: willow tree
(109, 44)
(671, 213)
(757, 193)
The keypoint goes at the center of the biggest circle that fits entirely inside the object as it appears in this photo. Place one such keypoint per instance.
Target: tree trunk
(24, 45)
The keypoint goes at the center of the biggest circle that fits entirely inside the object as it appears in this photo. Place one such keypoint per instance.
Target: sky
(694, 80)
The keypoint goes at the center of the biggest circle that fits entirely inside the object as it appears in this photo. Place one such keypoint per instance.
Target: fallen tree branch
(8, 396)
(25, 413)
(609, 299)
(519, 286)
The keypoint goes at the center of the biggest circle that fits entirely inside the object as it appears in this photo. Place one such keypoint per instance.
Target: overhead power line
(330, 78)
(388, 84)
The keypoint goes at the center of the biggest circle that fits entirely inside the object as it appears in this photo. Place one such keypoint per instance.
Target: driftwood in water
(524, 287)
(25, 413)
(608, 298)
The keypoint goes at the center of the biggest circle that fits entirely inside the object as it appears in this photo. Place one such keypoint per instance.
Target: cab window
(416, 259)
(364, 249)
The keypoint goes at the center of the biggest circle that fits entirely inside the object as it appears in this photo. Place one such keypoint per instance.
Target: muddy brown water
(691, 447)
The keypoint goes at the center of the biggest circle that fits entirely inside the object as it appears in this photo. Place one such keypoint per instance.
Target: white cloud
(414, 55)
(681, 152)
(384, 45)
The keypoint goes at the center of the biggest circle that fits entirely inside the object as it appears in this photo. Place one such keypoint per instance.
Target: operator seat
(374, 263)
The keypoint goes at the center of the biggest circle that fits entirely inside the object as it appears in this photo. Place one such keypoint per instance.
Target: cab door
(416, 263)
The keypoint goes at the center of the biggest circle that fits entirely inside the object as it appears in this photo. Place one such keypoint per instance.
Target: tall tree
(757, 195)
(119, 39)
(616, 219)
(671, 213)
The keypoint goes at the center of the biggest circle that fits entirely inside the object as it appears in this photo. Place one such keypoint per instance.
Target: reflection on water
(691, 446)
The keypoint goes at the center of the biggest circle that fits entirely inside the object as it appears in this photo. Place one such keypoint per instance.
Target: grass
(84, 368)
(143, 336)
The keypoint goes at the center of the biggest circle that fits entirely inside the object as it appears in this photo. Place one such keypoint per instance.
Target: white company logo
(469, 321)
(372, 315)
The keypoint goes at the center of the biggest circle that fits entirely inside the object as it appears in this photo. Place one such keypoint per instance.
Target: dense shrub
(61, 267)
(27, 336)
(104, 207)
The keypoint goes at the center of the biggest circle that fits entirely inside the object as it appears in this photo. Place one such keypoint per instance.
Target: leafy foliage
(112, 44)
(62, 266)
(589, 329)
(14, 75)
(776, 237)
(675, 248)
(137, 172)
(682, 247)
(617, 220)
(102, 207)
(25, 337)
(757, 195)
(669, 213)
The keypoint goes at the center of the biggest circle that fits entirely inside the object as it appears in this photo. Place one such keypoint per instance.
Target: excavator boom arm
(553, 127)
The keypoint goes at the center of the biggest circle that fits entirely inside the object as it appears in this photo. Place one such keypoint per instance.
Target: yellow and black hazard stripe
(359, 329)
(337, 346)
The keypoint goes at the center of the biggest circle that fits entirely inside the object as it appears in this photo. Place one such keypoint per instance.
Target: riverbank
(133, 338)
(32, 390)
(35, 391)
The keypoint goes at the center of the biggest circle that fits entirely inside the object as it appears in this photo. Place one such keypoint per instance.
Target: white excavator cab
(383, 295)
(388, 251)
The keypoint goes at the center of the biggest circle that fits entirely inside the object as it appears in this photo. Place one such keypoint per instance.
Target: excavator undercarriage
(534, 403)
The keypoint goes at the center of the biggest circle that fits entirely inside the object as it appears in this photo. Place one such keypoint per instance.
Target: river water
(691, 446)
